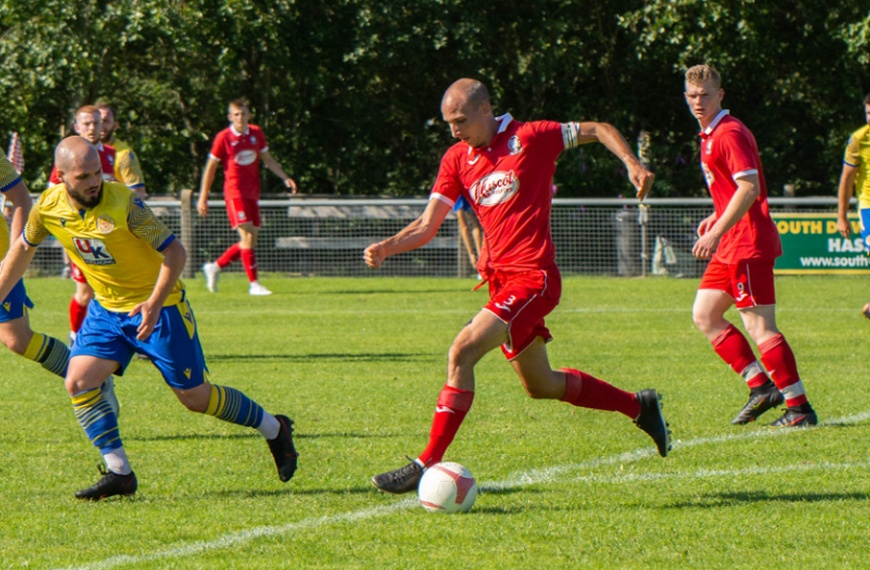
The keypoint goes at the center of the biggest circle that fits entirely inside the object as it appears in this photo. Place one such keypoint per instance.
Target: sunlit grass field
(358, 364)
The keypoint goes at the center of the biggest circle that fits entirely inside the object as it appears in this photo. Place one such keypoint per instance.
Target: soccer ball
(447, 488)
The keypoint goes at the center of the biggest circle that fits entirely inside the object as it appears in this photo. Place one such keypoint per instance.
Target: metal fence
(303, 236)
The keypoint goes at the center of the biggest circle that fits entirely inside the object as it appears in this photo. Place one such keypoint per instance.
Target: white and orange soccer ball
(447, 488)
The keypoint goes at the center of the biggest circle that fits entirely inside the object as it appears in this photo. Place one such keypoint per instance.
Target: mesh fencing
(326, 237)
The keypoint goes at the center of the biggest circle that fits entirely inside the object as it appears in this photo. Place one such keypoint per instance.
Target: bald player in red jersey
(742, 244)
(504, 168)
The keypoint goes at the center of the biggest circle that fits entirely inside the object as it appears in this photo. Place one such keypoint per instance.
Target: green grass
(358, 364)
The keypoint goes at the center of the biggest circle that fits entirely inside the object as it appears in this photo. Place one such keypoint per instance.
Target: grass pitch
(358, 364)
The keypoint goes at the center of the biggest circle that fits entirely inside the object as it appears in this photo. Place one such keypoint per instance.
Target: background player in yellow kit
(127, 167)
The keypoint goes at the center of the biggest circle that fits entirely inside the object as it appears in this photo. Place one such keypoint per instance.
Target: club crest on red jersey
(495, 188)
(515, 145)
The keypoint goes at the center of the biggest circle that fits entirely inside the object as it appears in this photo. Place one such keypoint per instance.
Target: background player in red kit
(88, 124)
(504, 168)
(239, 148)
(742, 243)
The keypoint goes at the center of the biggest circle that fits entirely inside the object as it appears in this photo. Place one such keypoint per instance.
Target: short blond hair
(700, 74)
(241, 103)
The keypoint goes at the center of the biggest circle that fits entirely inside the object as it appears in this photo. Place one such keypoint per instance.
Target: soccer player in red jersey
(504, 168)
(239, 148)
(742, 244)
(88, 124)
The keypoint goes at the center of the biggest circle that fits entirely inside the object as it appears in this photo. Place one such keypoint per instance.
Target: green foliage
(789, 72)
(348, 91)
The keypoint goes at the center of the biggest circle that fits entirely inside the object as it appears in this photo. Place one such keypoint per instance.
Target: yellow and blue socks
(49, 352)
(233, 406)
(96, 417)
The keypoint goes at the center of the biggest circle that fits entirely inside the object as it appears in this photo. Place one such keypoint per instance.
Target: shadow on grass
(409, 291)
(362, 489)
(515, 510)
(335, 357)
(254, 435)
(290, 490)
(718, 500)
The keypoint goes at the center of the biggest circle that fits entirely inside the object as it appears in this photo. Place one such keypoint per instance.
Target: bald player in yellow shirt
(134, 263)
(15, 331)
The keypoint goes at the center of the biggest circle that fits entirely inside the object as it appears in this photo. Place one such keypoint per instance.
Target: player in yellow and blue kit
(855, 178)
(133, 262)
(15, 331)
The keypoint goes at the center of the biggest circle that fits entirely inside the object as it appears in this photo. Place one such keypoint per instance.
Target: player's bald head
(471, 91)
(72, 151)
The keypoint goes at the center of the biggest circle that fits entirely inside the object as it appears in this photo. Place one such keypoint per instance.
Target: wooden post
(187, 232)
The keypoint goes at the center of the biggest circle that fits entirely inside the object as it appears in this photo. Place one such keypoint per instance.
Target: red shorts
(76, 274)
(522, 300)
(242, 211)
(750, 283)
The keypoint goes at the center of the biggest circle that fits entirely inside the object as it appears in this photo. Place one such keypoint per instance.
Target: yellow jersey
(127, 168)
(9, 177)
(116, 244)
(858, 155)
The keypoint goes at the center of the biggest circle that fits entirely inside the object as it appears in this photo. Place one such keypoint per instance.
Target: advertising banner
(811, 244)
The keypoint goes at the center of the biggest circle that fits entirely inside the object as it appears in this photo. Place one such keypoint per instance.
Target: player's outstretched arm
(21, 205)
(416, 234)
(844, 196)
(272, 164)
(205, 186)
(14, 265)
(612, 139)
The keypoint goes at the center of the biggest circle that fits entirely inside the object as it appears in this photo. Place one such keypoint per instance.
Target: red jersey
(729, 152)
(508, 184)
(239, 153)
(107, 161)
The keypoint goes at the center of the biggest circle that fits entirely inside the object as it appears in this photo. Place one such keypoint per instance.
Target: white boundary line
(520, 480)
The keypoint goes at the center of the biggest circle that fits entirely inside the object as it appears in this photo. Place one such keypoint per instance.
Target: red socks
(734, 349)
(586, 391)
(229, 256)
(777, 357)
(450, 411)
(249, 260)
(77, 315)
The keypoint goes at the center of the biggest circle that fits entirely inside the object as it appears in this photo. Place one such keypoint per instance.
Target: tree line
(348, 91)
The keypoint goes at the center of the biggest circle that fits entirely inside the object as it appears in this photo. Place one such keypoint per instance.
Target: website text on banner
(811, 244)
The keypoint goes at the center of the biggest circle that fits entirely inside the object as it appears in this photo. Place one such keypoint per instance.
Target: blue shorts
(173, 346)
(462, 205)
(13, 306)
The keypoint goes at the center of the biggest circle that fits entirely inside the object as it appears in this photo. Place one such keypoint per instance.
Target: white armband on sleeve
(571, 135)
